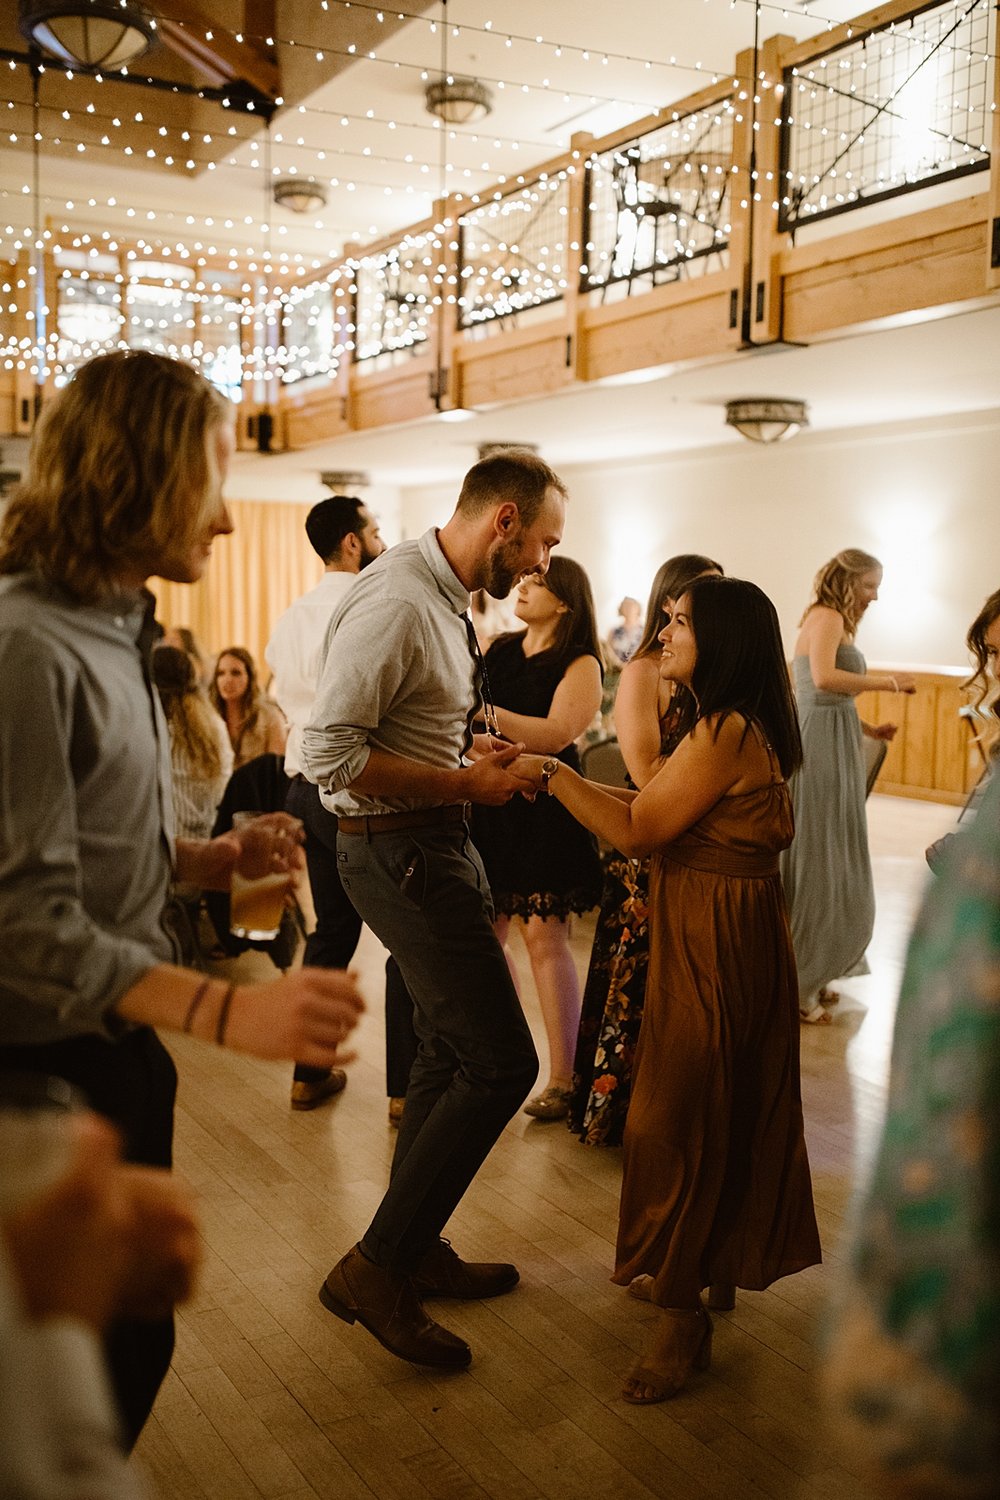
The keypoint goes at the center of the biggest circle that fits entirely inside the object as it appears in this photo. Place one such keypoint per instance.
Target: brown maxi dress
(716, 1181)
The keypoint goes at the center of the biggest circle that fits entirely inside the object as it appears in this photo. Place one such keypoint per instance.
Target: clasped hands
(502, 769)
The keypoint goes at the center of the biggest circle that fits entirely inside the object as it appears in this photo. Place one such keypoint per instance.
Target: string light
(483, 289)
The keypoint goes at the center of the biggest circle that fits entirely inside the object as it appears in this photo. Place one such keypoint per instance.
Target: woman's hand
(529, 769)
(880, 731)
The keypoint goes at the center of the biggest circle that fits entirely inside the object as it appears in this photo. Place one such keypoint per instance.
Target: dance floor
(271, 1396)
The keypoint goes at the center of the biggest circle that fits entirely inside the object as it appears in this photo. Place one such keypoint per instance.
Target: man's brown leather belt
(422, 817)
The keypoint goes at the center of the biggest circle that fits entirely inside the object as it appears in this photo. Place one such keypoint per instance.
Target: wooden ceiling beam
(183, 26)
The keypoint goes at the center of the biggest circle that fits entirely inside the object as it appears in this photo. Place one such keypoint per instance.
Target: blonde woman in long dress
(827, 872)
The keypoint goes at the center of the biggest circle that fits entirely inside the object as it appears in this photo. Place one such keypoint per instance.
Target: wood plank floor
(271, 1396)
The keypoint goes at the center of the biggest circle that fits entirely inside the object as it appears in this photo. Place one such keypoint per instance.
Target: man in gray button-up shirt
(386, 746)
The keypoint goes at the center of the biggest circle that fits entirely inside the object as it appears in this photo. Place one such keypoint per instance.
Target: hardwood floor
(271, 1396)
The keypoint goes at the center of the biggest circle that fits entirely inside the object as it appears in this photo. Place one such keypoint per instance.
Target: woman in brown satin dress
(716, 1180)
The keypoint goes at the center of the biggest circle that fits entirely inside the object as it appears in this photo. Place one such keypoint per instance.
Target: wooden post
(575, 252)
(755, 242)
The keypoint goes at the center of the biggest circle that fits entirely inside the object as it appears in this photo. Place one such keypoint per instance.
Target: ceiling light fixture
(88, 34)
(303, 195)
(498, 449)
(345, 481)
(766, 419)
(458, 101)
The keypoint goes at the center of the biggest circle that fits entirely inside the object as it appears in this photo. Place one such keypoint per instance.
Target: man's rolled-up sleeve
(55, 956)
(369, 652)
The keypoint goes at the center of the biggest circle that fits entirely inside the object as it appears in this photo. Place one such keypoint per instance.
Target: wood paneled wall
(933, 756)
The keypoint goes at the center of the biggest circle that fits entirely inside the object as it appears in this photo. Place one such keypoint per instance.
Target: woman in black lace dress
(651, 717)
(545, 683)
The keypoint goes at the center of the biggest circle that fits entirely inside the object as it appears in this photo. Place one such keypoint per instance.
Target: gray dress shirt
(398, 675)
(86, 820)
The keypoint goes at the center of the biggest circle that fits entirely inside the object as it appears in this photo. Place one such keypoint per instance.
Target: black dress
(540, 861)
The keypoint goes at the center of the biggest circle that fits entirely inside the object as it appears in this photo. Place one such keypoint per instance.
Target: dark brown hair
(250, 703)
(518, 476)
(740, 663)
(576, 629)
(671, 581)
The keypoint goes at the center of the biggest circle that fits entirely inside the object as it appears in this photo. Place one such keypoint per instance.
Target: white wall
(923, 497)
(295, 477)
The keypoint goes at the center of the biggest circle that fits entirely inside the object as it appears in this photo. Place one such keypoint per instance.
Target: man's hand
(70, 1245)
(306, 1015)
(272, 842)
(492, 780)
(164, 1243)
(485, 744)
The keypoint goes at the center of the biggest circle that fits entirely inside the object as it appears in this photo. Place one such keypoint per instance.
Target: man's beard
(502, 569)
(367, 556)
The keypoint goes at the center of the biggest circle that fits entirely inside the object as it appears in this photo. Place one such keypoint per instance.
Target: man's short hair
(330, 521)
(518, 476)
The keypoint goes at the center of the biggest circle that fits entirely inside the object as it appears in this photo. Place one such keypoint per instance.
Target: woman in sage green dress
(827, 871)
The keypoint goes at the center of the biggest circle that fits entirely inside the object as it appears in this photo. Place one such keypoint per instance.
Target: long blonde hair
(120, 466)
(834, 585)
(189, 715)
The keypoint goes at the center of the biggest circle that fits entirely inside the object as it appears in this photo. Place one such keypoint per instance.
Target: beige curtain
(253, 575)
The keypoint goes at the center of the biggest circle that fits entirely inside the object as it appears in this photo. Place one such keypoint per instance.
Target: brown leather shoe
(442, 1273)
(386, 1304)
(308, 1095)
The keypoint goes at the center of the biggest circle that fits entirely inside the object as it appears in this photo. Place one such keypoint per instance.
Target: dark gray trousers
(424, 893)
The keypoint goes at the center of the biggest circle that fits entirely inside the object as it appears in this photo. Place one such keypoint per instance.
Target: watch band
(549, 769)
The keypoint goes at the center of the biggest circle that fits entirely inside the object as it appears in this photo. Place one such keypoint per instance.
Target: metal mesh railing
(395, 295)
(658, 206)
(513, 251)
(888, 112)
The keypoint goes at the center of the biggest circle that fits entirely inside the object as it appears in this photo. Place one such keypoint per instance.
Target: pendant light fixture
(88, 34)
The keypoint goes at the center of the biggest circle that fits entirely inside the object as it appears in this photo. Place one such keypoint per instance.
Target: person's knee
(544, 936)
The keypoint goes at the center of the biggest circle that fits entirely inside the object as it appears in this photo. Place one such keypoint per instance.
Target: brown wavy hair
(119, 465)
(252, 700)
(979, 685)
(834, 585)
(188, 713)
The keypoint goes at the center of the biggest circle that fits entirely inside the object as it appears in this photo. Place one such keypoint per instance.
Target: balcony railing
(513, 252)
(890, 110)
(396, 293)
(658, 205)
